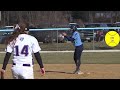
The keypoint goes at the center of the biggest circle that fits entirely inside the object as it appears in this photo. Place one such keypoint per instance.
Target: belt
(23, 64)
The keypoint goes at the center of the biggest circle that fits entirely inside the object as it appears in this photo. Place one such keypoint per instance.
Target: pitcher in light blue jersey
(76, 40)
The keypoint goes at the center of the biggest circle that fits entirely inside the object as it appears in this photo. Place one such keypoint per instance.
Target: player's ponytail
(18, 29)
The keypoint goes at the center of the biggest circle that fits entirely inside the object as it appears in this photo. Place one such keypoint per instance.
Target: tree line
(43, 19)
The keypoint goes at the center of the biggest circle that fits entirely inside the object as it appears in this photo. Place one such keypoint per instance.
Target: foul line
(73, 51)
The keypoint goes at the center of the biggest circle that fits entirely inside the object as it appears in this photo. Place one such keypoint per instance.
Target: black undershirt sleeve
(39, 59)
(70, 38)
(6, 59)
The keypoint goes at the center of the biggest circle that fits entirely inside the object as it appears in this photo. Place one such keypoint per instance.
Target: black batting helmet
(74, 28)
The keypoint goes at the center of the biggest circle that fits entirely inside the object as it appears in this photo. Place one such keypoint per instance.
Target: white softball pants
(22, 72)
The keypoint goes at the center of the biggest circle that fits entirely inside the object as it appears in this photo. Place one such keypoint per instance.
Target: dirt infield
(64, 71)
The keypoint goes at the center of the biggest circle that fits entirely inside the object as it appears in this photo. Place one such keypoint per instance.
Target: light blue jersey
(77, 39)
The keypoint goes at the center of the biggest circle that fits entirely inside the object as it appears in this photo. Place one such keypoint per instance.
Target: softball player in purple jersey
(22, 46)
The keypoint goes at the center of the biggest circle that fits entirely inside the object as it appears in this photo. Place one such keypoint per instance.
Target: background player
(75, 38)
(22, 45)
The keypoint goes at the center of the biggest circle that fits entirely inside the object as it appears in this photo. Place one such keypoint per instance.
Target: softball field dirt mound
(64, 71)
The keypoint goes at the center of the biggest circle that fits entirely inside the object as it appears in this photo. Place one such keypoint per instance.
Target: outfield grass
(67, 58)
(87, 58)
(69, 46)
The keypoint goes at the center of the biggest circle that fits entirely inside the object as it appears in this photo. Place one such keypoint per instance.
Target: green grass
(64, 58)
(69, 46)
(87, 58)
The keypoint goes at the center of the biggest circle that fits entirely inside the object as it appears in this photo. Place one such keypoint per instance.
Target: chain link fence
(52, 40)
